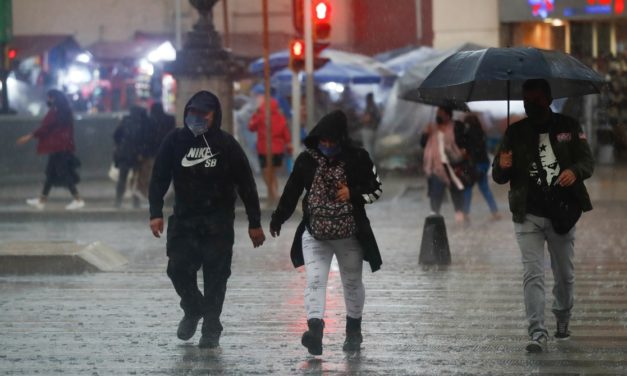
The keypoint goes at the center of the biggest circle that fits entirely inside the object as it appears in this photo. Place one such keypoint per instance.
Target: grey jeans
(531, 236)
(318, 255)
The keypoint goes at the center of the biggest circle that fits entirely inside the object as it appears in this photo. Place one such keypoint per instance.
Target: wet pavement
(467, 319)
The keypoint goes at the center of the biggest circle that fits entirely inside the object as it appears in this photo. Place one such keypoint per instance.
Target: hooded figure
(56, 139)
(129, 153)
(207, 166)
(280, 143)
(338, 179)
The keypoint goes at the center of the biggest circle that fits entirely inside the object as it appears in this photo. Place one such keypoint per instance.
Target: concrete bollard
(434, 249)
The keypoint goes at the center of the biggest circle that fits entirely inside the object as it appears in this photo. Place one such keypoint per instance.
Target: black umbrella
(441, 102)
(498, 74)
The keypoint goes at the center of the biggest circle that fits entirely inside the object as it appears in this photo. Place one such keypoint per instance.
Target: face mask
(330, 151)
(439, 120)
(197, 124)
(534, 111)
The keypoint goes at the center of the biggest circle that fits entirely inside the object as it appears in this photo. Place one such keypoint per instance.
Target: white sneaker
(36, 203)
(75, 205)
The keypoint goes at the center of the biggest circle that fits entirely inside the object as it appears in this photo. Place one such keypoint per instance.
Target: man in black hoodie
(206, 165)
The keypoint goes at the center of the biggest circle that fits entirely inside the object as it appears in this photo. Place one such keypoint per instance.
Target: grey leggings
(318, 255)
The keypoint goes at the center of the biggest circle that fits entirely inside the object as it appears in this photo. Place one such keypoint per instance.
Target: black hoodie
(206, 170)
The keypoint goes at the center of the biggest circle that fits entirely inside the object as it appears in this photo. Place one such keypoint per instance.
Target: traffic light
(321, 18)
(297, 55)
(9, 58)
(321, 13)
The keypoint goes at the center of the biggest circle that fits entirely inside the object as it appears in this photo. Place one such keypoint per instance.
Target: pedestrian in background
(339, 180)
(154, 130)
(475, 146)
(440, 152)
(280, 143)
(129, 150)
(56, 138)
(207, 167)
(370, 119)
(545, 158)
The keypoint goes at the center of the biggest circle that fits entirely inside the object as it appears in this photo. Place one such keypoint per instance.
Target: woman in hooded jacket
(56, 139)
(339, 179)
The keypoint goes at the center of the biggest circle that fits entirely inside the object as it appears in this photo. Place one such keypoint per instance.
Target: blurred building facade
(584, 28)
(239, 21)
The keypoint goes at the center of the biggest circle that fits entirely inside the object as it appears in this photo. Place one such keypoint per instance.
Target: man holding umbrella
(545, 158)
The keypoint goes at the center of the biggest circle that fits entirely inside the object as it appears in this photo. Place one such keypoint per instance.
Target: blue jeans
(481, 169)
(436, 194)
(531, 236)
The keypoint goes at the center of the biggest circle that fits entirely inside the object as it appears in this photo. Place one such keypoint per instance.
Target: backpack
(329, 219)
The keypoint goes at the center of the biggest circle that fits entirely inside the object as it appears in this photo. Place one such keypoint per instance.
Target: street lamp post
(203, 64)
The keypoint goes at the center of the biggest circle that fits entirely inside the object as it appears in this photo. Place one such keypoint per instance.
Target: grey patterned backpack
(329, 219)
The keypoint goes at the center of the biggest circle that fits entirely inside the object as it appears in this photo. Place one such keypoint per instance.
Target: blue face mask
(197, 124)
(330, 151)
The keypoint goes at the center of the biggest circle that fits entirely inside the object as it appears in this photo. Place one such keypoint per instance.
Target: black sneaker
(209, 341)
(537, 343)
(562, 333)
(187, 327)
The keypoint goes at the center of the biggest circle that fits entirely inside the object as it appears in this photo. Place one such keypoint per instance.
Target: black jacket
(571, 150)
(128, 137)
(206, 170)
(363, 183)
(157, 129)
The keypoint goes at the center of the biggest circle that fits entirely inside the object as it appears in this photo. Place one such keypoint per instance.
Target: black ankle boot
(187, 326)
(211, 331)
(353, 334)
(312, 339)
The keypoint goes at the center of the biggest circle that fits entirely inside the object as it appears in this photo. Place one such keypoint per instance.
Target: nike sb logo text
(199, 155)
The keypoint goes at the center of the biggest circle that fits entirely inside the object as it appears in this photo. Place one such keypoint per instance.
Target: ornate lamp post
(203, 64)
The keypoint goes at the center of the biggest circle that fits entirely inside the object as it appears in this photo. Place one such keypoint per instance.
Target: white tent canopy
(403, 121)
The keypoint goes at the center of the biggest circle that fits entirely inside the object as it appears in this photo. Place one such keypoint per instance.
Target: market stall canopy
(341, 60)
(123, 50)
(36, 45)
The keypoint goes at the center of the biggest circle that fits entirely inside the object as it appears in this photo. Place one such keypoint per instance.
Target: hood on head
(206, 101)
(332, 126)
(137, 112)
(157, 109)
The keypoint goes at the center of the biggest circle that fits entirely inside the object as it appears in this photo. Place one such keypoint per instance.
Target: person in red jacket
(56, 138)
(281, 142)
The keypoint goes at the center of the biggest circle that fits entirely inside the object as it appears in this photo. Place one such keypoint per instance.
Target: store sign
(597, 7)
(541, 8)
(534, 10)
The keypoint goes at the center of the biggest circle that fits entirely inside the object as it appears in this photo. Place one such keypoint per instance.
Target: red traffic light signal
(320, 14)
(8, 58)
(297, 55)
(321, 19)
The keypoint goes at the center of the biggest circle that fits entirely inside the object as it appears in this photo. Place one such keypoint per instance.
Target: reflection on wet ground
(464, 319)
